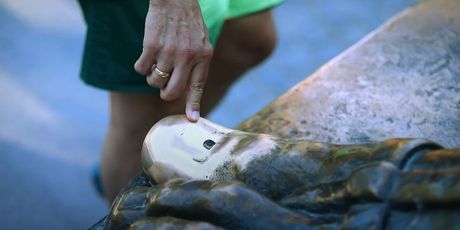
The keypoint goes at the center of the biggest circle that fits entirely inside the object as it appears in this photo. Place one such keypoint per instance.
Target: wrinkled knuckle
(208, 52)
(164, 96)
(151, 82)
(152, 45)
(169, 50)
(197, 87)
(169, 95)
(195, 105)
(187, 54)
(140, 68)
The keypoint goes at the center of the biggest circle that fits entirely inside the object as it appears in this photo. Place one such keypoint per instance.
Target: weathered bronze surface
(273, 166)
(171, 223)
(377, 185)
(258, 181)
(403, 80)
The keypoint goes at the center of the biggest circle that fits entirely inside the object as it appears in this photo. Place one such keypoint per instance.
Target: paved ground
(52, 125)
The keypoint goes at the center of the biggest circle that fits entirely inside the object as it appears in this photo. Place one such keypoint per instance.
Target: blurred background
(52, 126)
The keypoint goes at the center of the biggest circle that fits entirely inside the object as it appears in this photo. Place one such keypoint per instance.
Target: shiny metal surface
(178, 148)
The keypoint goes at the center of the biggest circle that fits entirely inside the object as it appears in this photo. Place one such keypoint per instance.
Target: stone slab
(402, 80)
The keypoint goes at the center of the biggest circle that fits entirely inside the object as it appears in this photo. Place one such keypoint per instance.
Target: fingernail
(195, 115)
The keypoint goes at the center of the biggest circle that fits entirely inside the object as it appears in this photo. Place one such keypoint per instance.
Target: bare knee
(258, 48)
(247, 41)
(129, 129)
(132, 115)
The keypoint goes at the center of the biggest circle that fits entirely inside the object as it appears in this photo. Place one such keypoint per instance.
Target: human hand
(176, 42)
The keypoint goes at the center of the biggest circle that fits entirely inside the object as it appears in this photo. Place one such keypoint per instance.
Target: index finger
(195, 91)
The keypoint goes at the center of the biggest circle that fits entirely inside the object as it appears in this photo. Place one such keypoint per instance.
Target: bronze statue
(239, 180)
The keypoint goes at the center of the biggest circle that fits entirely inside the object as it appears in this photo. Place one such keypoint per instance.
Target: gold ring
(161, 73)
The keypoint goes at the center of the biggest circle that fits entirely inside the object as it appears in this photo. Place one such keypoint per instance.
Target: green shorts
(115, 30)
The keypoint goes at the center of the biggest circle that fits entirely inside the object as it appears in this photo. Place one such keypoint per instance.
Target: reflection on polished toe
(176, 147)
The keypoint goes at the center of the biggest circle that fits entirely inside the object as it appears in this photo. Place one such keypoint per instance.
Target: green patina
(369, 148)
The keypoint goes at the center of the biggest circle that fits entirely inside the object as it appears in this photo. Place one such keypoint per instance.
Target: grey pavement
(52, 125)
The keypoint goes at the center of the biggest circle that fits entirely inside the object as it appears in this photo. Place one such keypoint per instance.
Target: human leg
(131, 116)
(244, 43)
